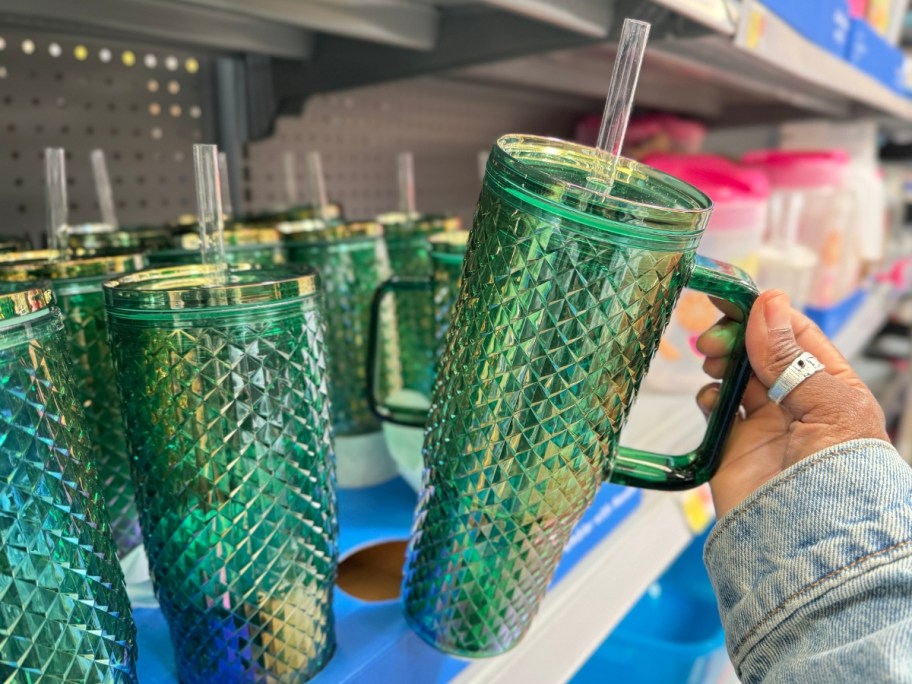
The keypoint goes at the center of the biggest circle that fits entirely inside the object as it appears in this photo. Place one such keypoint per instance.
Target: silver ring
(797, 372)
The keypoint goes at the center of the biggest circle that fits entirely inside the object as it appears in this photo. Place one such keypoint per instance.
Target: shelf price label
(756, 28)
(698, 509)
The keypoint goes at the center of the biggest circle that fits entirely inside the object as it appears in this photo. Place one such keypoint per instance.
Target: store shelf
(763, 35)
(864, 324)
(718, 15)
(627, 540)
(751, 69)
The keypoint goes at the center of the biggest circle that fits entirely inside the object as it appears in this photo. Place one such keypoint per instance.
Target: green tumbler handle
(400, 415)
(658, 471)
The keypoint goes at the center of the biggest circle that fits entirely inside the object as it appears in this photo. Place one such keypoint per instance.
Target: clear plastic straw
(317, 184)
(57, 210)
(225, 183)
(103, 189)
(209, 200)
(405, 165)
(290, 167)
(629, 60)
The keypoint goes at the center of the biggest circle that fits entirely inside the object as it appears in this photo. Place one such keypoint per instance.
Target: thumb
(772, 346)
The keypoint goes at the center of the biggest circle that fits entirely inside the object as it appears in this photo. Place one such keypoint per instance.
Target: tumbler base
(428, 638)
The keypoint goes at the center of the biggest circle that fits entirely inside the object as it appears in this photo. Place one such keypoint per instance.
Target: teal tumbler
(65, 612)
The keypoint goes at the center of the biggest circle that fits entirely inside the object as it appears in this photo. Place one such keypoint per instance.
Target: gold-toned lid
(185, 222)
(398, 224)
(108, 265)
(194, 287)
(236, 235)
(24, 302)
(89, 229)
(453, 242)
(440, 223)
(315, 230)
(29, 256)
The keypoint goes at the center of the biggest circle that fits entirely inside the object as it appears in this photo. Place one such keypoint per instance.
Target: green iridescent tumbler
(566, 292)
(225, 399)
(407, 242)
(256, 246)
(432, 296)
(65, 612)
(352, 261)
(77, 289)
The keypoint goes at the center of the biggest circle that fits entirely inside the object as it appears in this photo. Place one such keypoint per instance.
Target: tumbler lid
(645, 208)
(236, 235)
(23, 302)
(399, 224)
(30, 256)
(449, 243)
(95, 266)
(315, 230)
(193, 287)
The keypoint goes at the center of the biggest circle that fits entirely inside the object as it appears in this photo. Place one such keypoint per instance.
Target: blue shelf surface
(374, 643)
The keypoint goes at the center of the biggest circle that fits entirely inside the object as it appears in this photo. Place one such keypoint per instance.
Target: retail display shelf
(864, 324)
(764, 35)
(719, 15)
(625, 541)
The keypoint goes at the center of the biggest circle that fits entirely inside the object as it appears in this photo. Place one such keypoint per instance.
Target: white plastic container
(810, 191)
(734, 235)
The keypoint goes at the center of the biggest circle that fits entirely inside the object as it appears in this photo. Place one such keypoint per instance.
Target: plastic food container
(812, 206)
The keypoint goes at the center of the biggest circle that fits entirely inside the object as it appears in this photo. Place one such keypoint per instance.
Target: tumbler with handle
(565, 294)
(430, 299)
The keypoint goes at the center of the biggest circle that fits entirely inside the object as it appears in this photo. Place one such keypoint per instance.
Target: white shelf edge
(782, 47)
(714, 14)
(586, 605)
(860, 329)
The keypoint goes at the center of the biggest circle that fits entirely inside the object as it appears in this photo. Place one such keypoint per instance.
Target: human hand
(828, 408)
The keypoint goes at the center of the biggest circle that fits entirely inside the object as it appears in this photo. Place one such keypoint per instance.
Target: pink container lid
(739, 194)
(800, 168)
(719, 177)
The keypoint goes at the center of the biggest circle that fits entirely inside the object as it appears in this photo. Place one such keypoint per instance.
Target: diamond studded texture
(447, 276)
(96, 385)
(410, 257)
(551, 335)
(350, 272)
(64, 611)
(229, 422)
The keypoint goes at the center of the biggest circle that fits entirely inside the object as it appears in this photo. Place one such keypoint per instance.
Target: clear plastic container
(734, 235)
(814, 206)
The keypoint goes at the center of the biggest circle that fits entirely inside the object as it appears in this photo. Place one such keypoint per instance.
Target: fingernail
(778, 312)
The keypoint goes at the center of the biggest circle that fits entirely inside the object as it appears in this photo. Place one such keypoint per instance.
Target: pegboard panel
(359, 132)
(144, 106)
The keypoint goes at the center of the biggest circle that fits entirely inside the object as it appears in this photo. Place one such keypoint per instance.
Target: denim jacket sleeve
(813, 572)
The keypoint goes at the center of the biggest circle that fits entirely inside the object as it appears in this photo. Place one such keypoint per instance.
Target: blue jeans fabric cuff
(837, 514)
